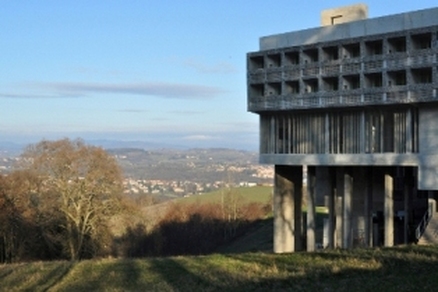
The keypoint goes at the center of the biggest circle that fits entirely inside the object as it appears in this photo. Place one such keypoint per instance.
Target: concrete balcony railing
(274, 75)
(345, 98)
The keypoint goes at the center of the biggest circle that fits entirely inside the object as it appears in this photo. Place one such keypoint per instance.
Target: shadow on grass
(120, 275)
(53, 277)
(396, 269)
(259, 272)
(178, 277)
(408, 268)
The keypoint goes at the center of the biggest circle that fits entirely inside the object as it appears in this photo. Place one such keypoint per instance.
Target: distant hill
(150, 161)
(197, 165)
(10, 149)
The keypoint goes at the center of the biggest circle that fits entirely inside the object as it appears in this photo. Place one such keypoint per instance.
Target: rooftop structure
(355, 101)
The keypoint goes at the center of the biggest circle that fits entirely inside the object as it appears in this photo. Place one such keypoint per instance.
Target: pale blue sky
(171, 72)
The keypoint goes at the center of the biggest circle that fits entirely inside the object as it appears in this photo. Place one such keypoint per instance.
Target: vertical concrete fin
(389, 211)
(311, 214)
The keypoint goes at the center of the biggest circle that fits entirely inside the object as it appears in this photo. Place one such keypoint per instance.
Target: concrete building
(356, 102)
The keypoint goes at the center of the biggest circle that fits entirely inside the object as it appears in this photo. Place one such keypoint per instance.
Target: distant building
(356, 101)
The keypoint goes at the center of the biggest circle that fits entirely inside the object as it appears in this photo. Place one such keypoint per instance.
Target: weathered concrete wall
(428, 145)
(361, 28)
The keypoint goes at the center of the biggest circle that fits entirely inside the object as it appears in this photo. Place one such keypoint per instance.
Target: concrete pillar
(406, 200)
(311, 214)
(298, 212)
(331, 208)
(359, 202)
(389, 211)
(338, 201)
(287, 201)
(369, 207)
(409, 131)
(347, 211)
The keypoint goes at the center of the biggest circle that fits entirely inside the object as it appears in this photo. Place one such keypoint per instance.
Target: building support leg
(369, 208)
(287, 194)
(311, 214)
(406, 200)
(347, 211)
(331, 209)
(389, 211)
(339, 206)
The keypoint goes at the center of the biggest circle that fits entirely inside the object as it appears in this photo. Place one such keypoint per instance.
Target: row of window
(345, 82)
(296, 56)
(347, 132)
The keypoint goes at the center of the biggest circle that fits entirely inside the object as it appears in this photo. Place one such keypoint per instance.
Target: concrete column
(369, 208)
(406, 201)
(331, 208)
(287, 195)
(298, 212)
(409, 131)
(338, 201)
(359, 211)
(389, 211)
(347, 211)
(311, 214)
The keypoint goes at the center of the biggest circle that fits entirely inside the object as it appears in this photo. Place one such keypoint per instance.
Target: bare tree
(79, 182)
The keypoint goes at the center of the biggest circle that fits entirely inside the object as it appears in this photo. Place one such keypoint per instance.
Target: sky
(172, 73)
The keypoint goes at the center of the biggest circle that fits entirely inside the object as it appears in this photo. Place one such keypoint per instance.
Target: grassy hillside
(247, 264)
(408, 268)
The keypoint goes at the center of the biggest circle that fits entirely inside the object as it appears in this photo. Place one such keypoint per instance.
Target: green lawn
(258, 194)
(408, 268)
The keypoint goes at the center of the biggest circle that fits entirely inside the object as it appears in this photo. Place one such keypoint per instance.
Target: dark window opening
(311, 85)
(330, 53)
(292, 87)
(397, 45)
(373, 80)
(351, 82)
(351, 51)
(331, 83)
(422, 75)
(421, 41)
(397, 78)
(311, 55)
(256, 62)
(257, 90)
(374, 48)
(273, 61)
(273, 89)
(292, 58)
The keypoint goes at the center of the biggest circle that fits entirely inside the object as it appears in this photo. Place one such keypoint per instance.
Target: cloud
(24, 95)
(199, 138)
(157, 89)
(133, 111)
(218, 68)
(185, 113)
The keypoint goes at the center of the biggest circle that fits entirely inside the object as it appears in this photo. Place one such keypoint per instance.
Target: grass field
(258, 194)
(408, 268)
(247, 264)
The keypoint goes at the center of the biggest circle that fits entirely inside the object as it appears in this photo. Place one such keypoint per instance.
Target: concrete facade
(356, 102)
